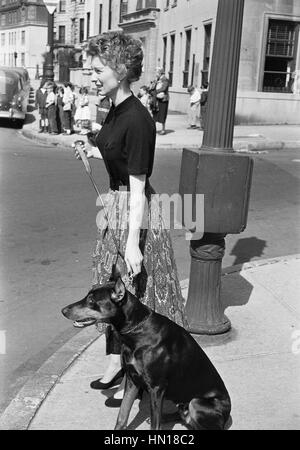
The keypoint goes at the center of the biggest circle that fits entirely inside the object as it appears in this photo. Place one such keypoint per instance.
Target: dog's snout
(65, 311)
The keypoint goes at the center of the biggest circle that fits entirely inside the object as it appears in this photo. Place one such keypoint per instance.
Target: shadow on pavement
(248, 248)
(30, 118)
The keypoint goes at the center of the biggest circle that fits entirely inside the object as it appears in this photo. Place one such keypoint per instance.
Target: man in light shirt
(195, 96)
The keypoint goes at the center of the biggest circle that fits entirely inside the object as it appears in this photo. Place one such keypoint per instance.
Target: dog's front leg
(130, 394)
(156, 404)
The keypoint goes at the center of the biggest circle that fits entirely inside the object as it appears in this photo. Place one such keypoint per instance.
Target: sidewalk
(259, 360)
(246, 138)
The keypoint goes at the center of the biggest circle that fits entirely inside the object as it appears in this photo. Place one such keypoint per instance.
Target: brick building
(23, 34)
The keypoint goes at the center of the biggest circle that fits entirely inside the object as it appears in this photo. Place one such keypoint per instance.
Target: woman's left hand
(133, 258)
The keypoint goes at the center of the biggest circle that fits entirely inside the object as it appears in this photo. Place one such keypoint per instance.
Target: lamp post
(48, 65)
(222, 176)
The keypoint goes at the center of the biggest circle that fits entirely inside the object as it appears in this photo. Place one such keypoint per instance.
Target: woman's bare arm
(133, 255)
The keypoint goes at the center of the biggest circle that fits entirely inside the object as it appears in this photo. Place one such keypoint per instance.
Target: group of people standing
(155, 98)
(61, 110)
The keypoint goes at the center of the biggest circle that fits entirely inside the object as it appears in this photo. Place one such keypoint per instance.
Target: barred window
(280, 57)
(188, 36)
(172, 52)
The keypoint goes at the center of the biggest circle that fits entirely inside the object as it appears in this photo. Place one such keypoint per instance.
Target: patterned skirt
(157, 286)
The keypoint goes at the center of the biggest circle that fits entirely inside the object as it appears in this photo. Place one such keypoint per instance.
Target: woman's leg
(113, 348)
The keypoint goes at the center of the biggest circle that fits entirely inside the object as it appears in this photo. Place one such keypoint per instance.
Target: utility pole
(222, 176)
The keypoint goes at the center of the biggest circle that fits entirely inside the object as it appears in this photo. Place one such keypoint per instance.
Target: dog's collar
(129, 330)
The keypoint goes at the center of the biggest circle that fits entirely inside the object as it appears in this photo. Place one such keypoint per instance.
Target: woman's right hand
(88, 153)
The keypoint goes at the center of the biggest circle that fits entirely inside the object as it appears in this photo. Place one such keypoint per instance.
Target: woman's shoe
(113, 402)
(97, 384)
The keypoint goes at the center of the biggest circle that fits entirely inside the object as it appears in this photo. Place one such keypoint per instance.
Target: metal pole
(48, 67)
(204, 309)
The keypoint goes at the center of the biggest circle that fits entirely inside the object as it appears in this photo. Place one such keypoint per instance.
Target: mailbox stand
(227, 177)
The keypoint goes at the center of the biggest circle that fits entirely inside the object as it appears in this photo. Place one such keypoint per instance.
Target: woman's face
(105, 78)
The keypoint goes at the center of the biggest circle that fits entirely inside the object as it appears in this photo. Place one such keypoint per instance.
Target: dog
(158, 356)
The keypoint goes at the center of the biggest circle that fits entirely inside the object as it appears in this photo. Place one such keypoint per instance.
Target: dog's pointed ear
(119, 290)
(115, 273)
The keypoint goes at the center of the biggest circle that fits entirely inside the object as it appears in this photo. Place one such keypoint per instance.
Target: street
(48, 227)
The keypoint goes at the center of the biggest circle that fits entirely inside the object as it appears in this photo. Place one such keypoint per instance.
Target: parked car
(14, 94)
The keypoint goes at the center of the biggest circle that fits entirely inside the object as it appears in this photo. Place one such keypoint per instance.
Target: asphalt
(259, 360)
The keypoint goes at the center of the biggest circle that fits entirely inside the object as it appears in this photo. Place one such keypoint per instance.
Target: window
(164, 52)
(2, 39)
(22, 59)
(62, 6)
(88, 19)
(3, 20)
(172, 51)
(280, 58)
(123, 9)
(81, 30)
(73, 31)
(109, 14)
(188, 35)
(206, 55)
(62, 34)
(100, 18)
(23, 37)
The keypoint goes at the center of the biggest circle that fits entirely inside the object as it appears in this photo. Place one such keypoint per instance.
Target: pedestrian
(68, 105)
(102, 108)
(40, 103)
(60, 106)
(145, 97)
(160, 89)
(51, 106)
(82, 116)
(203, 105)
(194, 106)
(127, 143)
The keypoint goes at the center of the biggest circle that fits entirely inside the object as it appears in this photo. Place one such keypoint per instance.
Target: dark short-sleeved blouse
(127, 142)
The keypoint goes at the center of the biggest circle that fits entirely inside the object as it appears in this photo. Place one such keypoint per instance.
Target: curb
(238, 146)
(23, 408)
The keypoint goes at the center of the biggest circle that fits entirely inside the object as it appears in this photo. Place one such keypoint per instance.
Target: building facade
(269, 73)
(179, 34)
(23, 34)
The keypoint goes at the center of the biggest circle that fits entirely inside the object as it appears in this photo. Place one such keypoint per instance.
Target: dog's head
(100, 305)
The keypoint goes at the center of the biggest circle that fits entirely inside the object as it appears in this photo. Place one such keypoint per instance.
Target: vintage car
(14, 94)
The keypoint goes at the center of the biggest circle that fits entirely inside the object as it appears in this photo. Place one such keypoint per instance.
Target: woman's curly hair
(118, 49)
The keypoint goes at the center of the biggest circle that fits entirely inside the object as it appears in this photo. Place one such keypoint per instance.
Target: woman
(160, 89)
(127, 143)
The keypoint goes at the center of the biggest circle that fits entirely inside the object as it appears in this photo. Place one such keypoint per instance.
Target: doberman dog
(158, 356)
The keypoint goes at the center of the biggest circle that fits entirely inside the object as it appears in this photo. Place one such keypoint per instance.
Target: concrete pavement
(259, 360)
(249, 138)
